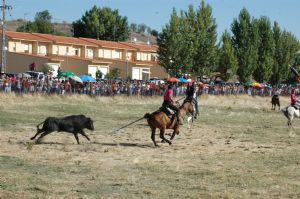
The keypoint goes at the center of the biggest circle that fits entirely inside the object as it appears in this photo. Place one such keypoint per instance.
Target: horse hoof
(170, 143)
(162, 141)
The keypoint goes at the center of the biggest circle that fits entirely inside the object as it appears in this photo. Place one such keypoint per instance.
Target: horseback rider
(294, 102)
(191, 95)
(276, 93)
(168, 103)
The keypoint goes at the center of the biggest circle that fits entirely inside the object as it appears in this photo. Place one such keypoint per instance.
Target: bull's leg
(39, 131)
(41, 136)
(162, 136)
(76, 137)
(85, 135)
(153, 136)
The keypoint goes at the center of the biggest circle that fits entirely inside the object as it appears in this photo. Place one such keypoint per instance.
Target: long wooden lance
(116, 130)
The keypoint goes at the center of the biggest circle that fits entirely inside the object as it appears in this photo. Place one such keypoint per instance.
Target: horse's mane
(184, 102)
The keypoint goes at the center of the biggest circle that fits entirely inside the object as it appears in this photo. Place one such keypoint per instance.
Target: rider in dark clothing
(191, 95)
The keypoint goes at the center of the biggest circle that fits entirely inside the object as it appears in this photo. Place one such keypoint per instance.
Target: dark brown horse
(160, 120)
(275, 101)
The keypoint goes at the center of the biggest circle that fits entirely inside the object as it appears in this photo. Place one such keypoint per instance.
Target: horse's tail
(147, 116)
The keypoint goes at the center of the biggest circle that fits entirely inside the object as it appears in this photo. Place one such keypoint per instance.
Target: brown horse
(160, 120)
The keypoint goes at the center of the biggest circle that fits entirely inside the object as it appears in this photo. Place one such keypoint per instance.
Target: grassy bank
(238, 148)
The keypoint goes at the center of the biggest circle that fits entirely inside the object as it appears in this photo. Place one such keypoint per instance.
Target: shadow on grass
(87, 143)
(124, 144)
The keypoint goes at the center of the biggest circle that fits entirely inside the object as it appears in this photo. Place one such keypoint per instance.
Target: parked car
(156, 80)
(38, 75)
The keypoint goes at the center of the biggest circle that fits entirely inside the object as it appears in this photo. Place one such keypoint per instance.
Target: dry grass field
(237, 148)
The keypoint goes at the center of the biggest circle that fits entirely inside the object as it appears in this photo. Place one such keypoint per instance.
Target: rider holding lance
(191, 96)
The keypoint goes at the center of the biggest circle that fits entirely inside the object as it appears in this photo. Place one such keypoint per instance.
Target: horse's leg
(188, 121)
(176, 131)
(162, 136)
(290, 120)
(153, 136)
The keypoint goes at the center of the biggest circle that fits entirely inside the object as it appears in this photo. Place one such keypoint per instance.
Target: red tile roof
(108, 44)
(142, 47)
(81, 41)
(25, 36)
(65, 40)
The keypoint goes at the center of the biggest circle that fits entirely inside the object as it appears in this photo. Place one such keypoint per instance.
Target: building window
(76, 52)
(55, 50)
(89, 53)
(107, 54)
(101, 53)
(15, 47)
(117, 54)
(145, 74)
(42, 50)
(26, 48)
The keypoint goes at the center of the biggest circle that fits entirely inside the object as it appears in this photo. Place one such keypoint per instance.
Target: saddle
(169, 112)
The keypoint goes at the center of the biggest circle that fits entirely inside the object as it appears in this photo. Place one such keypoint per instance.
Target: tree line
(252, 49)
(99, 23)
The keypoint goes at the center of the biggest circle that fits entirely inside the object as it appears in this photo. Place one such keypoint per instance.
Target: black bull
(71, 124)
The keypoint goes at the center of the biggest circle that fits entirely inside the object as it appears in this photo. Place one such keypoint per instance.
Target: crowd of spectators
(66, 86)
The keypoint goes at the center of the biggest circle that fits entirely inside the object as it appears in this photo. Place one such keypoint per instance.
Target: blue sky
(156, 13)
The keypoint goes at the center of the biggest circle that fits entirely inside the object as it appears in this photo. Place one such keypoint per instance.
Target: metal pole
(3, 39)
(3, 43)
(126, 68)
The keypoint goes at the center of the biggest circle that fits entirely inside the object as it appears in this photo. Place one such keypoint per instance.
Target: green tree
(141, 28)
(154, 33)
(114, 73)
(133, 27)
(245, 43)
(291, 47)
(228, 62)
(265, 61)
(99, 74)
(188, 43)
(168, 45)
(102, 23)
(278, 74)
(42, 24)
(205, 38)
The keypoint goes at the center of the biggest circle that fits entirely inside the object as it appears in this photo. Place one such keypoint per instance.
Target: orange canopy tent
(173, 79)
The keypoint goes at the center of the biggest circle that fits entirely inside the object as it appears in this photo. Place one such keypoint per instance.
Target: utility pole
(4, 7)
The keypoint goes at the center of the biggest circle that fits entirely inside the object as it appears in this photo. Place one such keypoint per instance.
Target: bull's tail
(37, 126)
